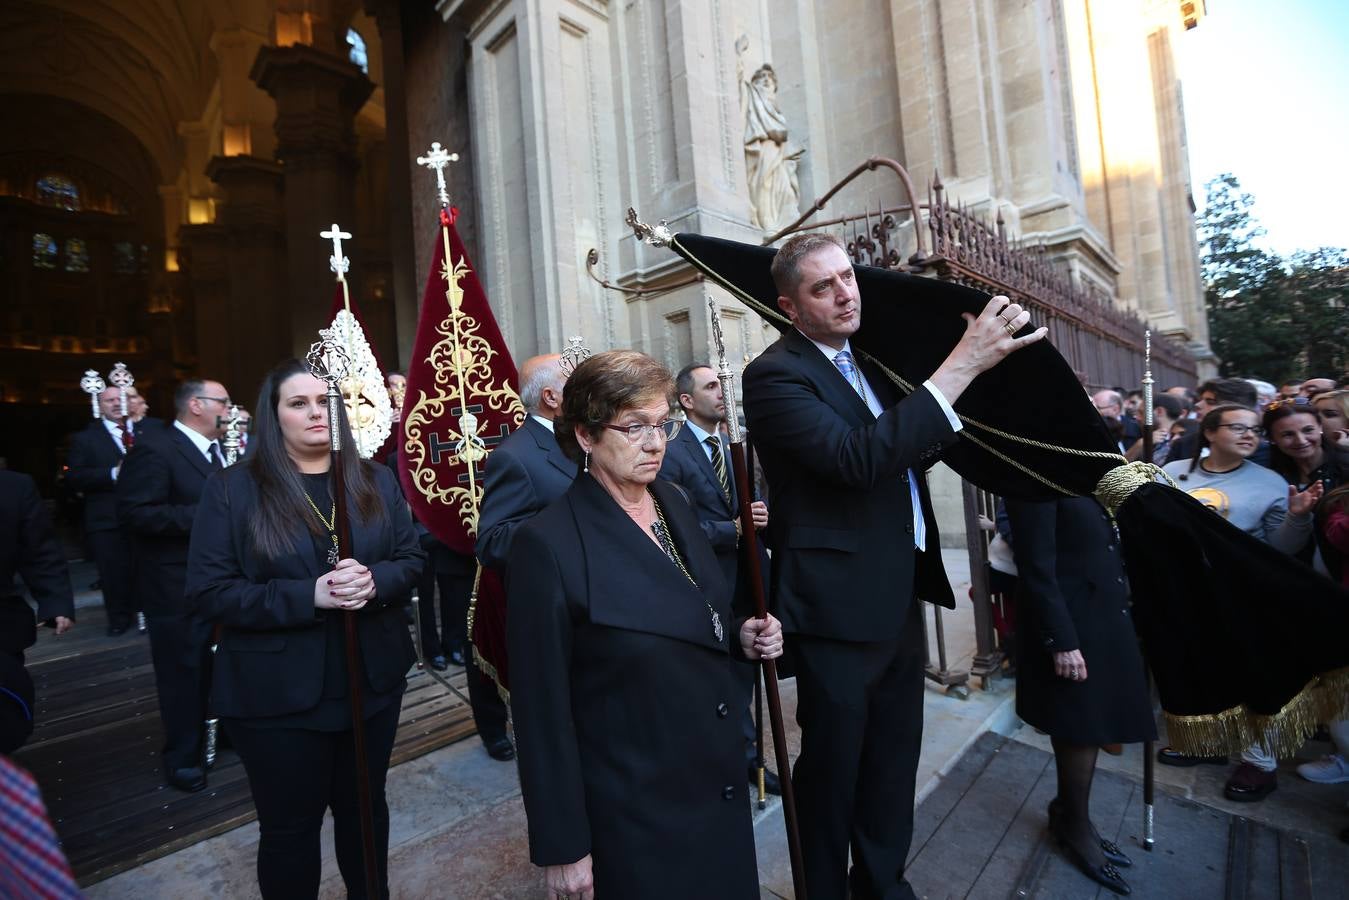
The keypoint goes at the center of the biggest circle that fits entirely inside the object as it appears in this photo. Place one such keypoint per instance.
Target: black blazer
(270, 660)
(526, 472)
(158, 491)
(621, 698)
(844, 564)
(93, 455)
(29, 548)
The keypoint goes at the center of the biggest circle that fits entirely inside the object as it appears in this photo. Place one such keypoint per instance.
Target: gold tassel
(1324, 699)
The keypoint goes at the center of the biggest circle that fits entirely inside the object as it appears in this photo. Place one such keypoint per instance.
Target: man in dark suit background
(94, 465)
(157, 495)
(28, 548)
(526, 472)
(697, 460)
(854, 542)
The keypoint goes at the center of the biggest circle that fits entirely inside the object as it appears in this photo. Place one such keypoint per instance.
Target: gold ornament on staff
(92, 384)
(369, 409)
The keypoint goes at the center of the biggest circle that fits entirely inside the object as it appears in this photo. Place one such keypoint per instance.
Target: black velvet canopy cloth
(1246, 643)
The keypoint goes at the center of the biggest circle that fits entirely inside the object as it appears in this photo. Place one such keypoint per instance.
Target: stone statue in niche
(770, 158)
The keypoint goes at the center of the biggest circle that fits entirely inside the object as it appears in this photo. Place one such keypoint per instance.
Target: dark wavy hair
(1281, 409)
(602, 387)
(1211, 422)
(281, 501)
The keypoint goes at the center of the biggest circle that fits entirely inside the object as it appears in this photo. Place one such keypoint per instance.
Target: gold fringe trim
(1116, 485)
(478, 659)
(1324, 699)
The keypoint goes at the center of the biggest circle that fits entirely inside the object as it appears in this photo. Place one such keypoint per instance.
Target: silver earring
(587, 465)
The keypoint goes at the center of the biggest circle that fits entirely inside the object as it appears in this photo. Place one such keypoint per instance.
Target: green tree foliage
(1269, 317)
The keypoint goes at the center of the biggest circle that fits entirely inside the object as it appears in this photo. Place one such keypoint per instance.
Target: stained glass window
(58, 191)
(124, 258)
(44, 251)
(77, 255)
(357, 53)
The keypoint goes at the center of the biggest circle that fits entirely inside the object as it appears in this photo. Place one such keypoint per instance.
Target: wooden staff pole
(1149, 747)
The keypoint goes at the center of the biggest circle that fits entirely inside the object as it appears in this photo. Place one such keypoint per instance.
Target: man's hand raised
(988, 339)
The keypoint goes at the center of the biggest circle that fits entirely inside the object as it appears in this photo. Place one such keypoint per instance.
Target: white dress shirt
(199, 441)
(546, 423)
(869, 397)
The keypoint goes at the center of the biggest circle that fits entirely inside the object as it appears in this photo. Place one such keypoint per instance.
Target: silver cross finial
(337, 262)
(438, 158)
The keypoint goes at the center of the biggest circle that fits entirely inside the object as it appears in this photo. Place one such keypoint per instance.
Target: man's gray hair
(540, 377)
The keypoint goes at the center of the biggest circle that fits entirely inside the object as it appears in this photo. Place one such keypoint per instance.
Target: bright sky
(1266, 85)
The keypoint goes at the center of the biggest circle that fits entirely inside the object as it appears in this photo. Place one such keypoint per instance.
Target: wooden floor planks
(95, 751)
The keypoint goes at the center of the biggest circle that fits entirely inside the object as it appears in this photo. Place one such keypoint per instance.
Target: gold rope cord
(1324, 699)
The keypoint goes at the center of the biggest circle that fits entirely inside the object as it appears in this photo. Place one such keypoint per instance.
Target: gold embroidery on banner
(462, 361)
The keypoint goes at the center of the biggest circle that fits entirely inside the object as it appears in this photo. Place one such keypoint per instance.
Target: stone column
(402, 252)
(317, 97)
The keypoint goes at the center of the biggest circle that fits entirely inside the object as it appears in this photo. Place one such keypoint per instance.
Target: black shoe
(771, 783)
(1111, 850)
(438, 663)
(189, 780)
(116, 630)
(1249, 784)
(1105, 875)
(457, 656)
(501, 749)
(1169, 756)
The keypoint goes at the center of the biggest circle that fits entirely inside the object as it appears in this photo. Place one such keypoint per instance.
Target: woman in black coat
(1080, 675)
(619, 626)
(263, 564)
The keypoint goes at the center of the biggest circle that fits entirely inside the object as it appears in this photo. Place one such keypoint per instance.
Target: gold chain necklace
(666, 539)
(329, 523)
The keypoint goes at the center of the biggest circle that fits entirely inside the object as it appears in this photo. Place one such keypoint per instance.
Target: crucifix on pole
(436, 160)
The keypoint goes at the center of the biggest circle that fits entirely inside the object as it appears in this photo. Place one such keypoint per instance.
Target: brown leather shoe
(1249, 784)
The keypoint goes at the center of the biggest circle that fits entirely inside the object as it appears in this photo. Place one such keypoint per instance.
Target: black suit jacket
(844, 564)
(526, 472)
(620, 690)
(158, 491)
(93, 455)
(29, 548)
(270, 660)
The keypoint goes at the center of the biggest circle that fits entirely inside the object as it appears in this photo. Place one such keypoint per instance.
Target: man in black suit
(157, 495)
(526, 472)
(697, 460)
(28, 548)
(854, 542)
(93, 467)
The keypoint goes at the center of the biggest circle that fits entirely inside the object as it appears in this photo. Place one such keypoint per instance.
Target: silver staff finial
(576, 353)
(120, 377)
(658, 235)
(437, 159)
(92, 384)
(337, 262)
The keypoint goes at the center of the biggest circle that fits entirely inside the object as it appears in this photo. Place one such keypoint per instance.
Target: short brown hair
(601, 388)
(786, 268)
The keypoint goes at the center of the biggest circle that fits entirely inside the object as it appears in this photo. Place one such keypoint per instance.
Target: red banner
(462, 400)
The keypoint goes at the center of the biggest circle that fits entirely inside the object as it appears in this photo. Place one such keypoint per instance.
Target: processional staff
(120, 377)
(232, 441)
(92, 384)
(330, 362)
(660, 236)
(1149, 775)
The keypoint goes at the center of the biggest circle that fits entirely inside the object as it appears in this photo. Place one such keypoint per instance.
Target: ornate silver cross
(437, 159)
(337, 262)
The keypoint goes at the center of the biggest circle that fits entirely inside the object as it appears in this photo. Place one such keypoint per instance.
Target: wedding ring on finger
(1009, 328)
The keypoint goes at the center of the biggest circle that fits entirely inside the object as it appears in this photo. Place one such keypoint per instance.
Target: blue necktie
(843, 359)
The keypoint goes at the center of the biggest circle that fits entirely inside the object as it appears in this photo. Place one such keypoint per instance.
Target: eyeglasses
(637, 434)
(224, 401)
(1240, 428)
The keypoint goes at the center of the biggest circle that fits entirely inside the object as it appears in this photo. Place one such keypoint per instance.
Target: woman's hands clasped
(348, 587)
(761, 638)
(1070, 664)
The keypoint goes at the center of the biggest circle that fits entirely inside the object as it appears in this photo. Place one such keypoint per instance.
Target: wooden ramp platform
(95, 751)
(983, 834)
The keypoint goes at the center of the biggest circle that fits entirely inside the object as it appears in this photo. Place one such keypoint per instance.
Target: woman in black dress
(619, 625)
(1080, 675)
(263, 564)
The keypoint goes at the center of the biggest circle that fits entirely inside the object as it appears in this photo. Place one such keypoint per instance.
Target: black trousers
(742, 677)
(178, 649)
(489, 712)
(860, 708)
(296, 775)
(117, 572)
(454, 590)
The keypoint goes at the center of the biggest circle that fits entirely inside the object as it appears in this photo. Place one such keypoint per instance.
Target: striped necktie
(719, 466)
(843, 359)
(31, 862)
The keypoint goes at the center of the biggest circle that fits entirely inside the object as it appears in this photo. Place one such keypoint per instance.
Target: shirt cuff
(945, 406)
(114, 472)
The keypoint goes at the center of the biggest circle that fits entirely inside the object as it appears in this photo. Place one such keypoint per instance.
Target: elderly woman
(620, 636)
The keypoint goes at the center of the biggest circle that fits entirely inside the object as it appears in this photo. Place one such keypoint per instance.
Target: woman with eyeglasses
(620, 635)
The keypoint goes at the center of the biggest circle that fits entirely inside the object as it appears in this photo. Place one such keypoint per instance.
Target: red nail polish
(330, 581)
(332, 593)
